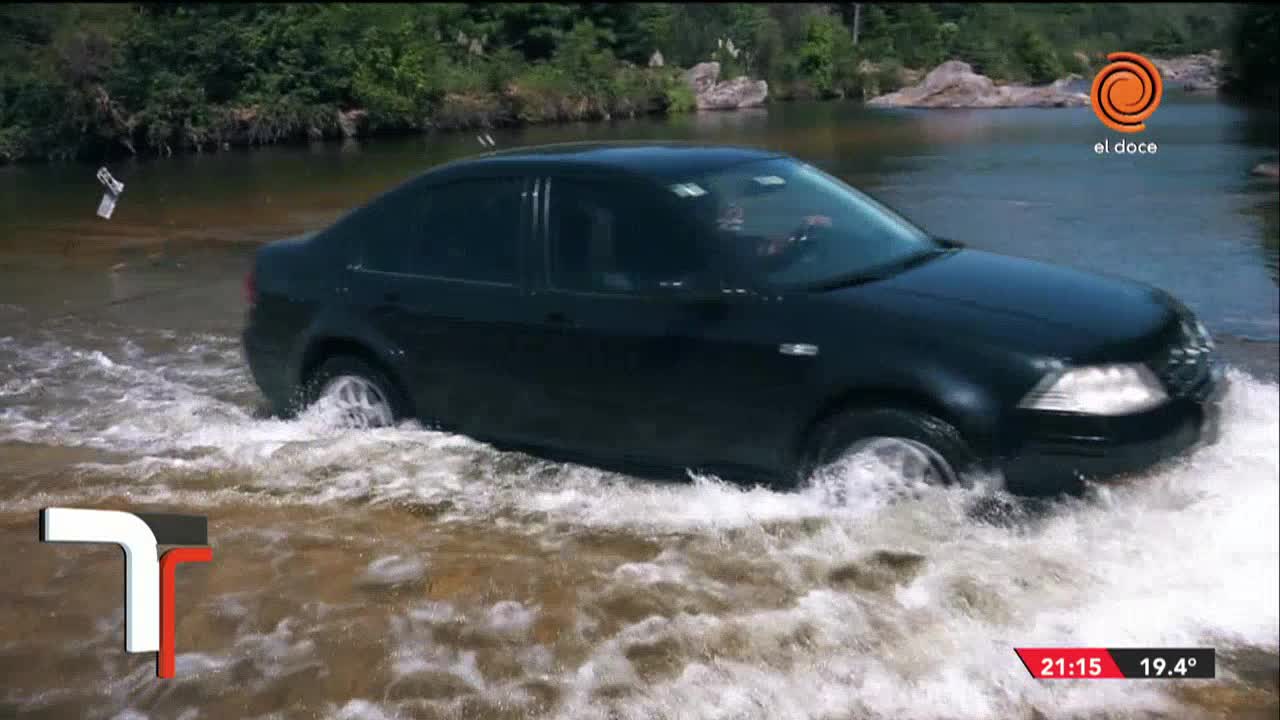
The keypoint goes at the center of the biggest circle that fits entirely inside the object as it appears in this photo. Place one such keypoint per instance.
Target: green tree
(978, 40)
(582, 59)
(1168, 39)
(817, 61)
(1038, 62)
(1255, 57)
(917, 35)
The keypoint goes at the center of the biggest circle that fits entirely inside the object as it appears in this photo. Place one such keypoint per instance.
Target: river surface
(402, 573)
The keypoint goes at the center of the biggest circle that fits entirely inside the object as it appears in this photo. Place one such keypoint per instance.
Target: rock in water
(1266, 169)
(702, 77)
(954, 84)
(1201, 72)
(352, 122)
(740, 92)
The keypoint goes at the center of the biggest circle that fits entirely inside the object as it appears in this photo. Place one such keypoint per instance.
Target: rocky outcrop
(954, 84)
(702, 77)
(711, 94)
(740, 92)
(905, 76)
(1195, 73)
(352, 122)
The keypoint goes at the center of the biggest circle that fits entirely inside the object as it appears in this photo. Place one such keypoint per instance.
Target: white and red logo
(148, 576)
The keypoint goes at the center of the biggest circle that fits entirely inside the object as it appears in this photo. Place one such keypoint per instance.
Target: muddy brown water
(408, 574)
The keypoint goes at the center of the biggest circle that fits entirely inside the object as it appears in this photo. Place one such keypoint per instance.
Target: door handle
(391, 297)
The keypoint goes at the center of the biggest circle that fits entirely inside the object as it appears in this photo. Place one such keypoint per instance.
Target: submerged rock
(954, 84)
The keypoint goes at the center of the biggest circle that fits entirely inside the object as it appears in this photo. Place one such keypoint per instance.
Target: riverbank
(93, 82)
(540, 96)
(544, 95)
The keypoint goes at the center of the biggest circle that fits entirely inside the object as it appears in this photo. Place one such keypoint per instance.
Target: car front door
(644, 356)
(442, 278)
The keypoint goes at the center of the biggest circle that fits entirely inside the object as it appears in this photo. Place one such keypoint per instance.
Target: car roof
(661, 160)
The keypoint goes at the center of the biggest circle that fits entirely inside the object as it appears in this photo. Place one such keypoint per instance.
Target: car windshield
(789, 225)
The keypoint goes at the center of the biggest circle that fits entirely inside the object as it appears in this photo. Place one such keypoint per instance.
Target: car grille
(1186, 364)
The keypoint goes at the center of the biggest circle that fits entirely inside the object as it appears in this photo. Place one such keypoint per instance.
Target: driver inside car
(733, 220)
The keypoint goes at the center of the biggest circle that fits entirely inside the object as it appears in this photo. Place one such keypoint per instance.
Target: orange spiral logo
(1126, 92)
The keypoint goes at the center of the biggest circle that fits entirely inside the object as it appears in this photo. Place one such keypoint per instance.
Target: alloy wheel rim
(907, 468)
(912, 461)
(359, 402)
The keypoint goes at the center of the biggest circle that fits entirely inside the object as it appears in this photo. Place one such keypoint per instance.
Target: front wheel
(905, 451)
(358, 394)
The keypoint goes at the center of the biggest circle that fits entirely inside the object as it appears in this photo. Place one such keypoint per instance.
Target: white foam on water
(361, 710)
(510, 619)
(434, 612)
(1188, 554)
(393, 570)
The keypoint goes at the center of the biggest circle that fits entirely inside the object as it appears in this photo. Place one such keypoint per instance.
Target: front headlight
(1097, 390)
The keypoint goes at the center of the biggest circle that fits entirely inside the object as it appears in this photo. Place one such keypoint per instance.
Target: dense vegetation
(102, 79)
(1255, 52)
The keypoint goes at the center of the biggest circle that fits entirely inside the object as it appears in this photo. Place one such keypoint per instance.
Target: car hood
(1075, 311)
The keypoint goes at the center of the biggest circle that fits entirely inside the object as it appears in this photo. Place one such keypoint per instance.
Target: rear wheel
(357, 393)
(906, 452)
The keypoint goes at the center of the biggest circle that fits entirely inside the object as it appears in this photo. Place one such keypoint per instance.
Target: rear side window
(609, 236)
(466, 230)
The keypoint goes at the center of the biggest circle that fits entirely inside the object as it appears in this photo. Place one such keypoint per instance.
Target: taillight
(250, 289)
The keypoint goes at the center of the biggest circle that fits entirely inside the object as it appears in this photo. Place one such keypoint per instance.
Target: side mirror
(949, 243)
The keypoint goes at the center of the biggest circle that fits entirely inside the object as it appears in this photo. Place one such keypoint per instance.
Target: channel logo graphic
(148, 578)
(1126, 92)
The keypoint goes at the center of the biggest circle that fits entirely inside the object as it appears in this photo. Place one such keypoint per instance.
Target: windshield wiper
(879, 272)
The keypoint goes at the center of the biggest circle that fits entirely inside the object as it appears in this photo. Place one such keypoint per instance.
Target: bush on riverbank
(1253, 71)
(96, 80)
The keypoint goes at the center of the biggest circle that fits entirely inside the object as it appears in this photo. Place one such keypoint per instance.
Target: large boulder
(740, 92)
(954, 84)
(711, 94)
(1201, 72)
(702, 77)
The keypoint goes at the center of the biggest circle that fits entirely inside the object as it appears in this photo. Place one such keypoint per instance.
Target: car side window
(617, 237)
(464, 230)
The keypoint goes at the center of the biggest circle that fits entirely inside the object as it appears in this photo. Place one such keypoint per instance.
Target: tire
(938, 442)
(343, 377)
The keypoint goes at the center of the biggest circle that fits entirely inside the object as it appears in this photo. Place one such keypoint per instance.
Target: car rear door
(443, 279)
